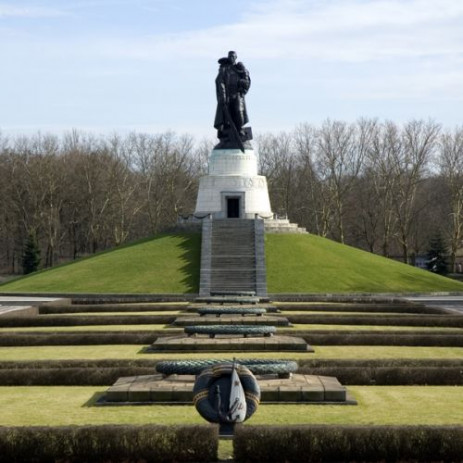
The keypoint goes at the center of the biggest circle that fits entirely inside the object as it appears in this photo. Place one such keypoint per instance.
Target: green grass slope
(171, 264)
(163, 264)
(310, 263)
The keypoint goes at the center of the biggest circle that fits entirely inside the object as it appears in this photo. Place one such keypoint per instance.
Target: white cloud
(341, 30)
(302, 52)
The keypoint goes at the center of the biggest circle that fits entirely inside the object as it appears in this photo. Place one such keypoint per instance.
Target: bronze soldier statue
(232, 84)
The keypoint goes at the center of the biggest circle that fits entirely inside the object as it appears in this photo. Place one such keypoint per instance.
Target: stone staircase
(233, 256)
(282, 226)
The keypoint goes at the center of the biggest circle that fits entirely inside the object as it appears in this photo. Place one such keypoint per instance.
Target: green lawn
(163, 264)
(310, 263)
(56, 405)
(136, 351)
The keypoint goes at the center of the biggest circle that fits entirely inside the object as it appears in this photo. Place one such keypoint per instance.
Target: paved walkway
(13, 303)
(454, 303)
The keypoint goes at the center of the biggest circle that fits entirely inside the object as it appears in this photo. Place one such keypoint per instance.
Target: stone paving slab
(267, 307)
(27, 300)
(227, 319)
(235, 343)
(18, 311)
(178, 389)
(229, 300)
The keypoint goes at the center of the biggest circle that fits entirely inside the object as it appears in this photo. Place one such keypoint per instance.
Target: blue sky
(150, 65)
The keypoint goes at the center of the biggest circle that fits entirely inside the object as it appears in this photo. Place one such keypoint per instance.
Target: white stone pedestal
(233, 188)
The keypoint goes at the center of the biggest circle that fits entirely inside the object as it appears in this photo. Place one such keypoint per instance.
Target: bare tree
(418, 142)
(451, 169)
(277, 161)
(341, 150)
(313, 207)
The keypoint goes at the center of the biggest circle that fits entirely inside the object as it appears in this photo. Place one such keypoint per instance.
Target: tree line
(384, 187)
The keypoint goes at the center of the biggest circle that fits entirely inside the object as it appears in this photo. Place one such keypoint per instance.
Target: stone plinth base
(224, 343)
(231, 320)
(233, 174)
(178, 389)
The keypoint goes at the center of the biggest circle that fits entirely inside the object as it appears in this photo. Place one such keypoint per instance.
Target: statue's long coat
(232, 83)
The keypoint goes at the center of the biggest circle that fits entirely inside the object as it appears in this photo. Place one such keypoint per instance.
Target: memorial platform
(178, 389)
(224, 343)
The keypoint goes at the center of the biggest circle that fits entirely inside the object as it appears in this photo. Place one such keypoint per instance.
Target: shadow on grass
(191, 245)
(94, 399)
(145, 350)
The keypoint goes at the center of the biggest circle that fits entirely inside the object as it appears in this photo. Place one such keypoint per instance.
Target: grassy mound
(163, 264)
(310, 263)
(295, 263)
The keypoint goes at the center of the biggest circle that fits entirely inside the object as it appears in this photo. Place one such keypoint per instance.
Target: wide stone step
(233, 293)
(239, 284)
(227, 284)
(228, 298)
(233, 270)
(228, 246)
(232, 273)
(243, 286)
(231, 320)
(243, 311)
(224, 264)
(223, 343)
(233, 253)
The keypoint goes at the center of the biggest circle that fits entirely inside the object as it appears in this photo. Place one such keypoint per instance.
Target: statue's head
(232, 56)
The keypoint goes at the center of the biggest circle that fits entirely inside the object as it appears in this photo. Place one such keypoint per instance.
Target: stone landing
(231, 320)
(224, 343)
(178, 389)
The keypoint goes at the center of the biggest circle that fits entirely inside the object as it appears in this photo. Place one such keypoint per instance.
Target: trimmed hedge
(105, 376)
(94, 299)
(373, 363)
(391, 376)
(368, 308)
(68, 376)
(108, 444)
(78, 338)
(321, 338)
(99, 308)
(348, 444)
(148, 362)
(92, 363)
(351, 298)
(455, 321)
(391, 372)
(362, 338)
(56, 320)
